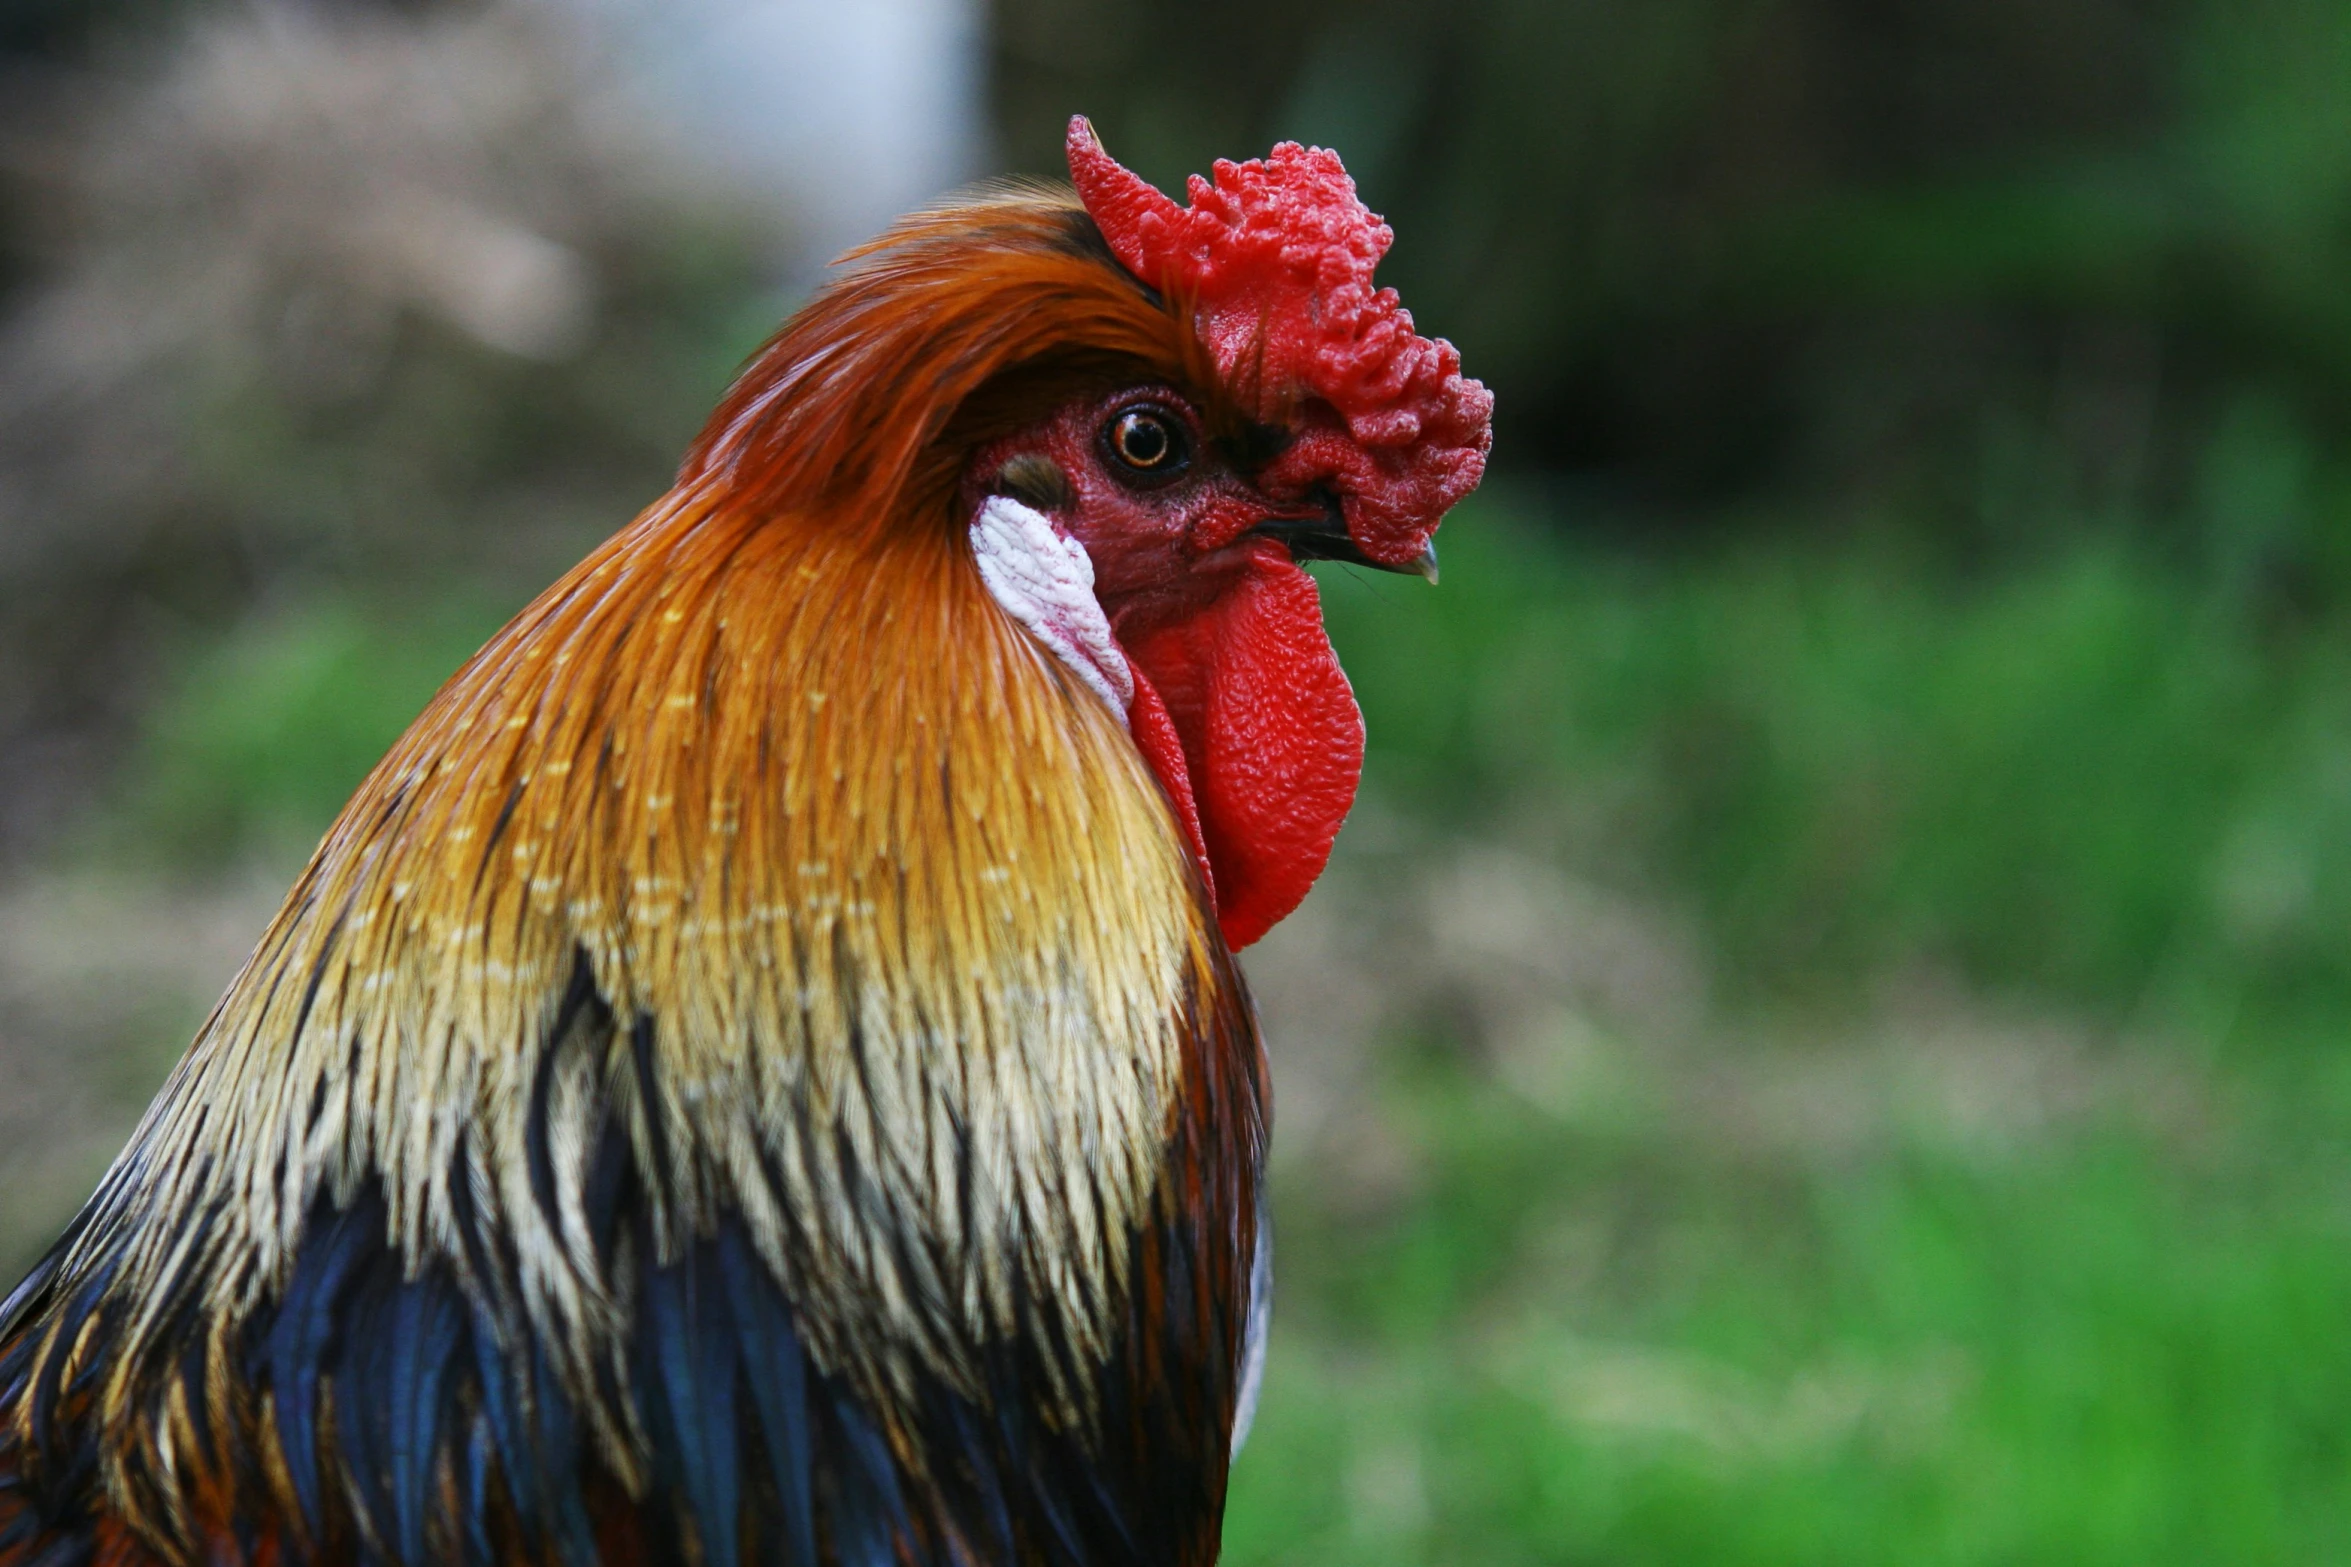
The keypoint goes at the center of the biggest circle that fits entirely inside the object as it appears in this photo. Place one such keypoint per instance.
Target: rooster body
(758, 1072)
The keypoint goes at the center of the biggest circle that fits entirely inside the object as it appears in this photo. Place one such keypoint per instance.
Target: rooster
(758, 1073)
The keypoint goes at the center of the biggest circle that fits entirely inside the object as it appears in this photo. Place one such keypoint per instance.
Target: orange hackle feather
(767, 855)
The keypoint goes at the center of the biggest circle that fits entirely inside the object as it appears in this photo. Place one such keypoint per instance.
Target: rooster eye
(1147, 444)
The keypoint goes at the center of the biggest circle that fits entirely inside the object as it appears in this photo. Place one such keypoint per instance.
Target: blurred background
(1828, 1038)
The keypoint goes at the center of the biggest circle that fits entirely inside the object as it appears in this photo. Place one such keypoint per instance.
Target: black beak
(1326, 538)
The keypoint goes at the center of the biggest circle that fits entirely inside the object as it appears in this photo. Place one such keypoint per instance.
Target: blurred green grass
(2110, 1336)
(266, 731)
(2090, 772)
(2086, 1353)
(1600, 1327)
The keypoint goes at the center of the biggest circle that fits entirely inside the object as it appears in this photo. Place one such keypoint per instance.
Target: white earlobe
(1046, 582)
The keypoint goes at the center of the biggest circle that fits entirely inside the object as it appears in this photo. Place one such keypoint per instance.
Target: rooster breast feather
(751, 1073)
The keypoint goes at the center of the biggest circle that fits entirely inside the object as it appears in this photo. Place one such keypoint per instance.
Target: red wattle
(1269, 741)
(1155, 736)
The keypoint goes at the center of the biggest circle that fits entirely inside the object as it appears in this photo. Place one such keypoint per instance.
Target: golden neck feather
(887, 888)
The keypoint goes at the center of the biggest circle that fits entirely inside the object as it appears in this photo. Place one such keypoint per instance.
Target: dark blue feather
(965, 1468)
(868, 1511)
(556, 1460)
(428, 1324)
(66, 1550)
(499, 1430)
(480, 1462)
(775, 1369)
(360, 1364)
(690, 1344)
(299, 1338)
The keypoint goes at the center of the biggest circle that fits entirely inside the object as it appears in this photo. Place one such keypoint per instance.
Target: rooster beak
(1326, 538)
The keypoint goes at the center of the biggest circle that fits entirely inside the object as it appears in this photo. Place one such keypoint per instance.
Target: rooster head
(1150, 529)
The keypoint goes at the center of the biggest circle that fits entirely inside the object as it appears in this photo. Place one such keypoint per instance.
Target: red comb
(1276, 258)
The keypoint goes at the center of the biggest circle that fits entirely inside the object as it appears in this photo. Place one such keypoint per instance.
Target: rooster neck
(765, 862)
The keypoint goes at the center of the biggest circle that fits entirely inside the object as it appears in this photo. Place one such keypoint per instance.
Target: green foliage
(2101, 1347)
(2096, 775)
(264, 735)
(1661, 1335)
